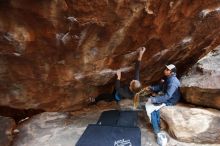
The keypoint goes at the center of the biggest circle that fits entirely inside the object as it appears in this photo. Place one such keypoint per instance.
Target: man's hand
(147, 88)
(162, 81)
(149, 100)
(141, 52)
(154, 94)
(118, 74)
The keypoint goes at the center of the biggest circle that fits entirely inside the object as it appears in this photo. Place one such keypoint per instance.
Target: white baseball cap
(170, 67)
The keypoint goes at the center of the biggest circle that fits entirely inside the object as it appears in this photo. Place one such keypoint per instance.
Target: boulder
(52, 129)
(6, 130)
(56, 54)
(58, 128)
(201, 85)
(192, 125)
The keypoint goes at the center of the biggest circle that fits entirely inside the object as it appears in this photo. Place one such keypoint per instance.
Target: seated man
(170, 87)
(127, 91)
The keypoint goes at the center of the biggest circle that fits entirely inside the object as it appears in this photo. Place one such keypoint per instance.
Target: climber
(127, 91)
(169, 87)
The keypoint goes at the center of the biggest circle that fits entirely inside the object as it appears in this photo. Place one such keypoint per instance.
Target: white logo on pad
(123, 143)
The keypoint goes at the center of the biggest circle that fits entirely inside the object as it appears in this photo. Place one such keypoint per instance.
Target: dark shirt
(124, 91)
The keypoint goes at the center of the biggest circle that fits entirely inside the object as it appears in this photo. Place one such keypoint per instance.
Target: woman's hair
(135, 86)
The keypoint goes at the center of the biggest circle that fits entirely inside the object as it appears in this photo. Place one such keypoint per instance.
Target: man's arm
(156, 88)
(161, 99)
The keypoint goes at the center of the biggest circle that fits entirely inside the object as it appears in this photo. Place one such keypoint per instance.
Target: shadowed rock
(6, 130)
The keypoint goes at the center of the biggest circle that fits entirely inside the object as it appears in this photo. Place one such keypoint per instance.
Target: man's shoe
(161, 139)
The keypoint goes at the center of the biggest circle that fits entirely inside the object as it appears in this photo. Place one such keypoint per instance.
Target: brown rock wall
(55, 54)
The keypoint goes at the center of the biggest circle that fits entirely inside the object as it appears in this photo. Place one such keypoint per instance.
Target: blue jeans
(155, 121)
(117, 96)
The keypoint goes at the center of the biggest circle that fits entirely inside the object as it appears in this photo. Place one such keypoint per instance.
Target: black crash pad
(128, 119)
(118, 118)
(96, 135)
(109, 118)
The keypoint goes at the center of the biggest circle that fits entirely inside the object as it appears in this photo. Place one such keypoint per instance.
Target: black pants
(108, 97)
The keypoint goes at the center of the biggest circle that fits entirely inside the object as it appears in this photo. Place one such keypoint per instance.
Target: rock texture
(192, 125)
(55, 54)
(6, 130)
(201, 85)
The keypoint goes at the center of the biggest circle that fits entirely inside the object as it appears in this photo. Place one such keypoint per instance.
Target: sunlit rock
(192, 125)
